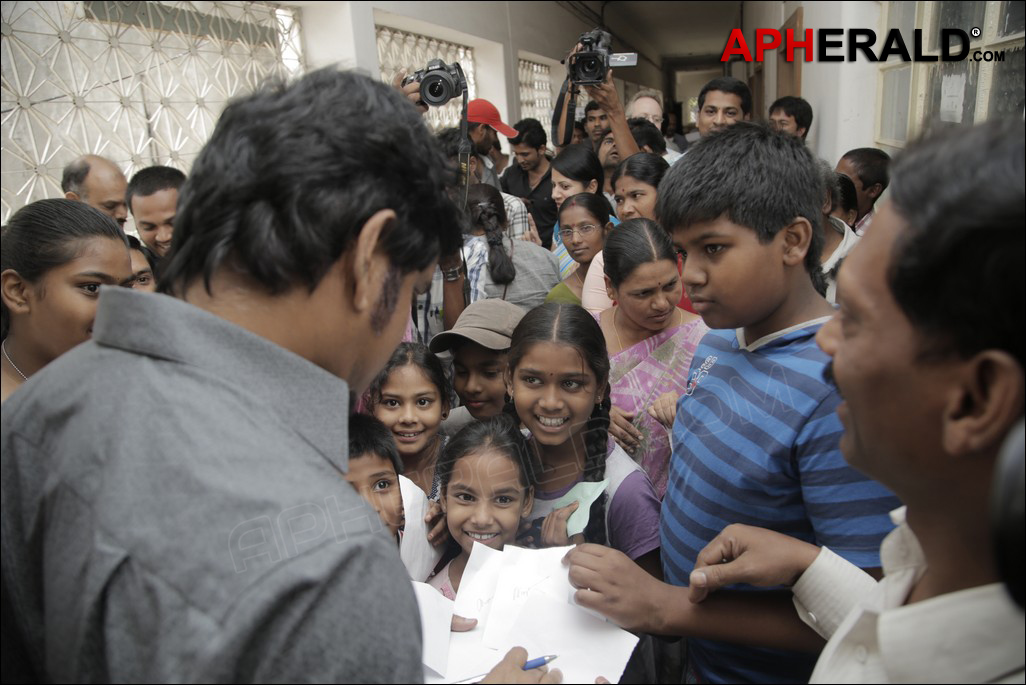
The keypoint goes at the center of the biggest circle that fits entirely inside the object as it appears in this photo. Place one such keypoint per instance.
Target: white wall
(690, 83)
(498, 31)
(842, 94)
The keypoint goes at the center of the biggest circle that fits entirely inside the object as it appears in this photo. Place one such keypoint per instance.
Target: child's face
(374, 477)
(478, 379)
(485, 500)
(554, 392)
(412, 408)
(732, 279)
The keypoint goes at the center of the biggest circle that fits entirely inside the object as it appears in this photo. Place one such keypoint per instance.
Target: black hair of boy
(728, 84)
(872, 166)
(284, 216)
(368, 436)
(531, 133)
(796, 108)
(153, 179)
(756, 178)
(974, 265)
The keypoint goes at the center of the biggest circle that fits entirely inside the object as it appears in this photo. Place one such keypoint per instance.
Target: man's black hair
(293, 172)
(756, 177)
(956, 270)
(797, 108)
(871, 165)
(646, 133)
(449, 139)
(531, 133)
(728, 84)
(369, 437)
(152, 180)
(591, 106)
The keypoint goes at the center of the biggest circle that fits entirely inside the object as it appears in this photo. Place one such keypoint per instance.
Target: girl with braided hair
(558, 383)
(498, 267)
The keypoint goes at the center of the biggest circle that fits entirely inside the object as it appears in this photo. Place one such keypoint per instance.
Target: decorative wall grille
(535, 92)
(403, 50)
(140, 83)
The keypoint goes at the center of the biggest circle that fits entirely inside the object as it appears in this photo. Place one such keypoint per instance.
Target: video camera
(588, 67)
(439, 82)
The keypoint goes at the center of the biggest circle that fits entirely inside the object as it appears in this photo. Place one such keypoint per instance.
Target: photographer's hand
(411, 90)
(609, 100)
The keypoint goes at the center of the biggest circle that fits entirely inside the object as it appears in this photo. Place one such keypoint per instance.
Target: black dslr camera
(439, 82)
(589, 66)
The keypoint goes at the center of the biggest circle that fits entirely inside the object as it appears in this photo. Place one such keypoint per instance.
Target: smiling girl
(487, 483)
(558, 380)
(411, 397)
(56, 254)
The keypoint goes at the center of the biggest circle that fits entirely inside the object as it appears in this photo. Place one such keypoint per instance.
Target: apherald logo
(854, 42)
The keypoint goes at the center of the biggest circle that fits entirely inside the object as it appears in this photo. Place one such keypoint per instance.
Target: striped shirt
(755, 441)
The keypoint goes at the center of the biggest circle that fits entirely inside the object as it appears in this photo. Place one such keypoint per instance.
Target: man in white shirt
(927, 353)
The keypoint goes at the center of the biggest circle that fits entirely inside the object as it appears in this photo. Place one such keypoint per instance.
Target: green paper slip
(586, 494)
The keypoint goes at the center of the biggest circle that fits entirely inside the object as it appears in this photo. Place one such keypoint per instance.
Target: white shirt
(973, 635)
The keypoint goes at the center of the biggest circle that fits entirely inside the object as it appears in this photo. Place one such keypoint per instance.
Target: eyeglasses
(585, 230)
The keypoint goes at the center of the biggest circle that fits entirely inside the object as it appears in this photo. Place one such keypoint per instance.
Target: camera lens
(437, 88)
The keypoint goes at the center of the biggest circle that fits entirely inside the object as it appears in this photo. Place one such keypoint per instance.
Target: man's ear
(14, 290)
(984, 405)
(801, 133)
(648, 149)
(72, 195)
(369, 263)
(874, 191)
(796, 237)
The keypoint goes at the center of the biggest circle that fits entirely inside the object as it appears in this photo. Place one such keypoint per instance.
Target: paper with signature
(525, 572)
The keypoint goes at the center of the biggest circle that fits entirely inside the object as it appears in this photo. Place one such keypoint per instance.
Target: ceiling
(666, 29)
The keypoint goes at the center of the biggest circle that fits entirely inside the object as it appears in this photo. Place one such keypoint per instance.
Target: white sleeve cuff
(828, 590)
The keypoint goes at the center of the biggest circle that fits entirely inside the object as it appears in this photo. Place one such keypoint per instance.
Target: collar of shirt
(974, 635)
(314, 402)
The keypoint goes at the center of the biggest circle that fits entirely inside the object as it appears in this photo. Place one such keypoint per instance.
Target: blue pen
(540, 661)
(532, 663)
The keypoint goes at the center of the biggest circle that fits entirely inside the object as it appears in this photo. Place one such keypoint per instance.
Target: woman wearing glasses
(583, 224)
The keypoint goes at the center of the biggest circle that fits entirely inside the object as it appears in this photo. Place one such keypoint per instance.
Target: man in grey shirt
(174, 508)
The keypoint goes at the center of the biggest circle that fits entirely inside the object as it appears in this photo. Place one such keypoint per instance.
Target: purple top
(632, 516)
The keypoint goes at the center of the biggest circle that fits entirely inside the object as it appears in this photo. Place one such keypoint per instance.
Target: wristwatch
(452, 275)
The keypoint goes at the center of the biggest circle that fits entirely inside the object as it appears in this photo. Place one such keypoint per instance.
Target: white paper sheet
(417, 554)
(477, 588)
(525, 572)
(586, 647)
(435, 623)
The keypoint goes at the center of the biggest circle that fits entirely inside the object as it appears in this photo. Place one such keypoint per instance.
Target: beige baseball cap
(489, 323)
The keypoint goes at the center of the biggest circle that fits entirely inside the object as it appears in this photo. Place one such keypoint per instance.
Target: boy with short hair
(755, 438)
(374, 468)
(479, 343)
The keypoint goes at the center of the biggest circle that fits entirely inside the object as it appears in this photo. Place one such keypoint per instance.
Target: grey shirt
(174, 510)
(537, 272)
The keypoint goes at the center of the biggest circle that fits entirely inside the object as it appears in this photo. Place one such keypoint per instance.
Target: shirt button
(812, 617)
(861, 654)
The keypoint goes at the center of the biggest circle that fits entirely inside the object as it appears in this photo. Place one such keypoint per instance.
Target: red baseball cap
(481, 111)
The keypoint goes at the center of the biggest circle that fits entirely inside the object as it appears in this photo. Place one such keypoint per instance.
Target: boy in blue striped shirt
(755, 437)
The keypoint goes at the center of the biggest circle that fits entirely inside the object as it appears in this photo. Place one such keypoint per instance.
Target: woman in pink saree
(650, 340)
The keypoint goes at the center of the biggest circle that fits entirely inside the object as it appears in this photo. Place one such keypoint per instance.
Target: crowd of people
(791, 388)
